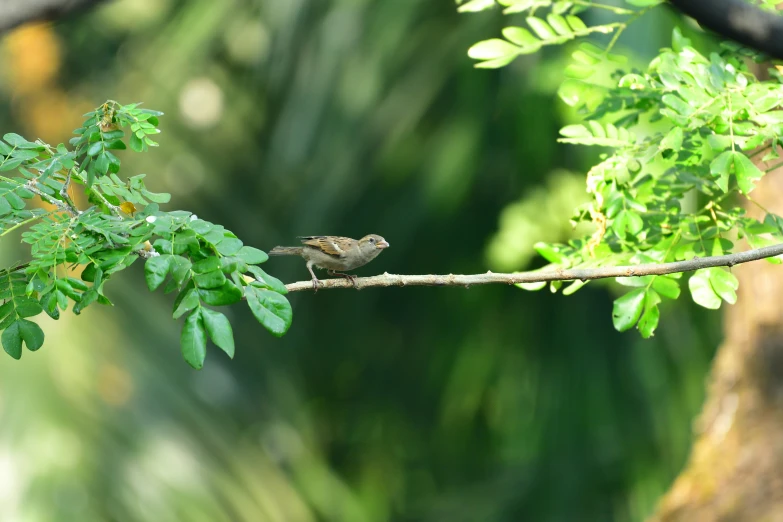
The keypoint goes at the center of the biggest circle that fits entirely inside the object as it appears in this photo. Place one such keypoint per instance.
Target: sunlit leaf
(627, 309)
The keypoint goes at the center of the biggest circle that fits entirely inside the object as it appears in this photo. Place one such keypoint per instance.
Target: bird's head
(373, 242)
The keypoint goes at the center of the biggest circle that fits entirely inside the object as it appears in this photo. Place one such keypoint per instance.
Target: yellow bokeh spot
(32, 57)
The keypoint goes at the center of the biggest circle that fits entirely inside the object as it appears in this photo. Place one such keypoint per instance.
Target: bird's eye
(372, 240)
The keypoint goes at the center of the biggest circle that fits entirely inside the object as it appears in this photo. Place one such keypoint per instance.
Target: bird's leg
(316, 282)
(349, 277)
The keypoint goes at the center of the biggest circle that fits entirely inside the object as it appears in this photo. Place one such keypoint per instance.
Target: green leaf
(31, 333)
(648, 322)
(541, 28)
(574, 287)
(673, 140)
(5, 207)
(666, 286)
(27, 307)
(213, 279)
(724, 283)
(16, 202)
(49, 303)
(559, 24)
(679, 42)
(271, 309)
(227, 294)
(252, 256)
(232, 264)
(521, 37)
(6, 308)
(18, 331)
(596, 134)
(135, 143)
(272, 283)
(62, 299)
(112, 134)
(719, 167)
(180, 269)
(95, 148)
(193, 340)
(627, 309)
(157, 197)
(186, 243)
(492, 49)
(219, 330)
(549, 252)
(206, 265)
(19, 142)
(186, 301)
(577, 24)
(10, 164)
(677, 104)
(116, 145)
(199, 226)
(474, 6)
(577, 93)
(24, 154)
(746, 172)
(87, 298)
(627, 222)
(12, 339)
(155, 270)
(102, 163)
(89, 273)
(229, 246)
(635, 222)
(702, 291)
(114, 162)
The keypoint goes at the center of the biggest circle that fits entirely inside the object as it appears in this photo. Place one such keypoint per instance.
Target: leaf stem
(23, 223)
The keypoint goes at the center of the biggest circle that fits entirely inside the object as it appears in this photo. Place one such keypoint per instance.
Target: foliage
(75, 252)
(691, 128)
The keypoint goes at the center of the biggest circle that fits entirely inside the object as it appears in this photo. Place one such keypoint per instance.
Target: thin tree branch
(738, 20)
(93, 190)
(549, 275)
(16, 12)
(62, 205)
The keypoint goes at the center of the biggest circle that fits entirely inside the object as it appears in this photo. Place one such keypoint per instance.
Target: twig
(545, 275)
(64, 192)
(64, 206)
(738, 20)
(23, 223)
(112, 208)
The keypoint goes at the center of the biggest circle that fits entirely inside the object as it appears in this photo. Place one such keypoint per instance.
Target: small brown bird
(335, 253)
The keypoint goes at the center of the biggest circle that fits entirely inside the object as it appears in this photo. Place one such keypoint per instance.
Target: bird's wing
(334, 246)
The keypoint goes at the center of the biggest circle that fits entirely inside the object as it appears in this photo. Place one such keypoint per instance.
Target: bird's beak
(382, 244)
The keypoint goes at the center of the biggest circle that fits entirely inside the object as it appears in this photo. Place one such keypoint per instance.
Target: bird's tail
(286, 251)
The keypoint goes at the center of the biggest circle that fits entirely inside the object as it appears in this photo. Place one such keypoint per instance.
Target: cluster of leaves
(560, 25)
(74, 251)
(683, 136)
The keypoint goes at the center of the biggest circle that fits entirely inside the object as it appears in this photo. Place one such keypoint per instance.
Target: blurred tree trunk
(735, 470)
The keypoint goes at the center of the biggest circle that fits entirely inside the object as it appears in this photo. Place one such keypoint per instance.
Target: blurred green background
(345, 117)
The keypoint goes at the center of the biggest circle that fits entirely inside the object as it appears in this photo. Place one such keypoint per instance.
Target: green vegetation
(206, 262)
(343, 117)
(682, 134)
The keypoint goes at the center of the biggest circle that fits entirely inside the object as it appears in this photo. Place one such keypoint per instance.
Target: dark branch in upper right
(738, 20)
